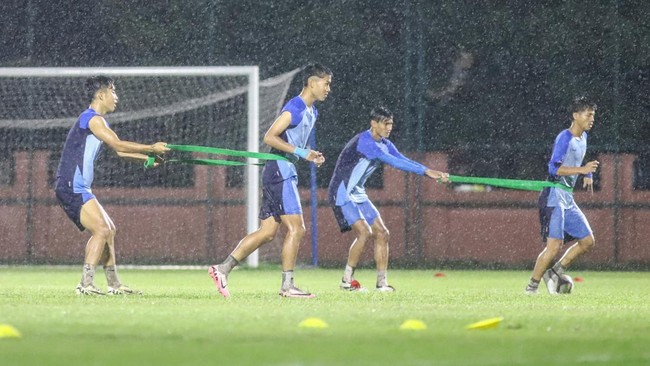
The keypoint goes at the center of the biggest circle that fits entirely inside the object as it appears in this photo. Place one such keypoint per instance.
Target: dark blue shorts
(280, 198)
(71, 202)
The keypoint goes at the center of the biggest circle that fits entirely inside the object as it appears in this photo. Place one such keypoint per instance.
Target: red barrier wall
(429, 222)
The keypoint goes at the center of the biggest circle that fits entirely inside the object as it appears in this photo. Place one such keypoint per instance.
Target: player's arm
(138, 158)
(586, 169)
(433, 174)
(135, 150)
(273, 139)
(560, 149)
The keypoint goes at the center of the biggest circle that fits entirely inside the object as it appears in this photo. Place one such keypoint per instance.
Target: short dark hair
(96, 83)
(380, 114)
(315, 69)
(581, 104)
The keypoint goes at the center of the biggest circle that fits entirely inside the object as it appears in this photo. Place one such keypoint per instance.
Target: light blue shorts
(352, 212)
(568, 224)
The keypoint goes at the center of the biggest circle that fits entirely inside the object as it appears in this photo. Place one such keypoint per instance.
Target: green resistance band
(228, 152)
(149, 163)
(526, 185)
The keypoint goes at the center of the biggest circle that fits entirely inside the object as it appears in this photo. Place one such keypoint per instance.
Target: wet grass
(181, 320)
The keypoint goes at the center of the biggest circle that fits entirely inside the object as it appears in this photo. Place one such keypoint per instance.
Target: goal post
(239, 80)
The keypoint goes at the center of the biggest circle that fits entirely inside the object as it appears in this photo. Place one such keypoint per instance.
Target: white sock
(287, 279)
(382, 278)
(111, 276)
(88, 274)
(348, 273)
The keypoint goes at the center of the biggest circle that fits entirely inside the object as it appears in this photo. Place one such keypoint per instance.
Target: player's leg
(290, 212)
(264, 234)
(581, 247)
(543, 262)
(362, 233)
(295, 228)
(115, 285)
(253, 241)
(93, 218)
(349, 218)
(381, 238)
(270, 212)
(577, 226)
(552, 230)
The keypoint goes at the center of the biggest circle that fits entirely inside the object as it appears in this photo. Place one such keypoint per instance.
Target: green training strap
(151, 160)
(527, 185)
(149, 163)
(220, 151)
(210, 162)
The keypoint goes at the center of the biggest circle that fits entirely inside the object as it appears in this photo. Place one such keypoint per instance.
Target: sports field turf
(181, 320)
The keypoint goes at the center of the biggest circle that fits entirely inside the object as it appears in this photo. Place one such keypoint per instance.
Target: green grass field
(181, 320)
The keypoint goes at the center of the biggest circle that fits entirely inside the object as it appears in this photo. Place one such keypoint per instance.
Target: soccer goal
(227, 107)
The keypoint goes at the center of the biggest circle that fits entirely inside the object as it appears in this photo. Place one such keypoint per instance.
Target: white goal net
(226, 107)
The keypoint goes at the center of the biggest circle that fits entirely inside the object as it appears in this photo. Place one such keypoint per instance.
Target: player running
(281, 203)
(347, 194)
(561, 219)
(74, 178)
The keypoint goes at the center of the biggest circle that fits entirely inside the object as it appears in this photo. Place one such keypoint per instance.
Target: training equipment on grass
(313, 323)
(564, 284)
(526, 185)
(486, 324)
(8, 331)
(413, 324)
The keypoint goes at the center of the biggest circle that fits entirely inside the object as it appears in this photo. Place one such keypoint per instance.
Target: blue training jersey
(568, 151)
(76, 168)
(297, 134)
(360, 157)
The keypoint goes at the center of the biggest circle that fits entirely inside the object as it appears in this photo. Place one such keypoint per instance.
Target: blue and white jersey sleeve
(387, 153)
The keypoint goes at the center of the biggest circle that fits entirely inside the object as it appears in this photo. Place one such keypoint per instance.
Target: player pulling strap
(353, 210)
(561, 219)
(74, 178)
(288, 135)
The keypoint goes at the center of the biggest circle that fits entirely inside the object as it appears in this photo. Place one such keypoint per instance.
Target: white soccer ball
(564, 284)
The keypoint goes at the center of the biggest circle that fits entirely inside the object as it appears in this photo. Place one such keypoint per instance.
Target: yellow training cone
(313, 323)
(413, 324)
(7, 331)
(485, 324)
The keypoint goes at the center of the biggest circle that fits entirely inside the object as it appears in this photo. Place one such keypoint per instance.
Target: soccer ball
(564, 284)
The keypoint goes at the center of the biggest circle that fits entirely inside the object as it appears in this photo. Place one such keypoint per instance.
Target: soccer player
(561, 219)
(74, 178)
(347, 195)
(281, 203)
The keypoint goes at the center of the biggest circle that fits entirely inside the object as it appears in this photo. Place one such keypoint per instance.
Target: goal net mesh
(37, 112)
